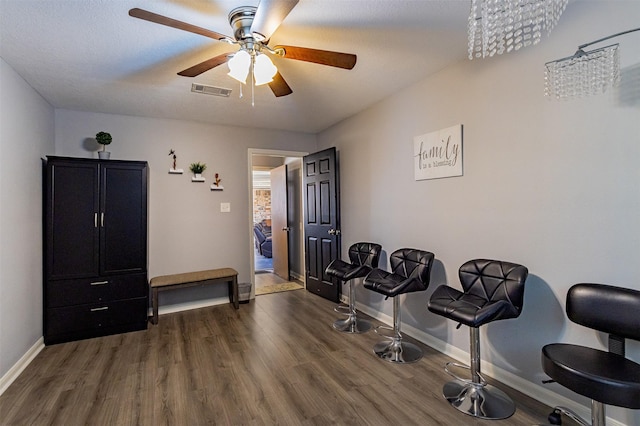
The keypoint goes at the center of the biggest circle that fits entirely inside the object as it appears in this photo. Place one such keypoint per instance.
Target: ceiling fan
(253, 28)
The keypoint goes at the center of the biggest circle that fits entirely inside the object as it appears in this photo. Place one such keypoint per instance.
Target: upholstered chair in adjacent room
(492, 290)
(363, 257)
(604, 377)
(410, 272)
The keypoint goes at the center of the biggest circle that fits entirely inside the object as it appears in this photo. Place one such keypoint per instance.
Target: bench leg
(154, 305)
(234, 297)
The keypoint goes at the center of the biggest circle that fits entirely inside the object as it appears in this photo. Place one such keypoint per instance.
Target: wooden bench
(189, 279)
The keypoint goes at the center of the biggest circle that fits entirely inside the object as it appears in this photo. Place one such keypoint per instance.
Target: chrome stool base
(352, 325)
(394, 349)
(397, 351)
(482, 401)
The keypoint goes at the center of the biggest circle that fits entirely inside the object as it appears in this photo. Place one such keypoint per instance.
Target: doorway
(267, 231)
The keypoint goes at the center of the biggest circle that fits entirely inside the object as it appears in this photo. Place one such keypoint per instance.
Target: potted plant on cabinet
(104, 139)
(197, 169)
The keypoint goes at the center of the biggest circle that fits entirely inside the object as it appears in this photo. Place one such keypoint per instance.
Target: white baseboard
(19, 366)
(535, 391)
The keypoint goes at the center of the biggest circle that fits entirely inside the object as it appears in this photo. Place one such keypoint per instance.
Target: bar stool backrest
(412, 263)
(495, 281)
(365, 254)
(613, 310)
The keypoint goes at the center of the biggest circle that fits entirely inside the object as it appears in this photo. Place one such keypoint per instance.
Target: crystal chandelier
(585, 73)
(501, 26)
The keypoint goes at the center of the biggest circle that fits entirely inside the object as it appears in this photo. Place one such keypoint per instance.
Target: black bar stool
(492, 290)
(410, 272)
(604, 377)
(363, 257)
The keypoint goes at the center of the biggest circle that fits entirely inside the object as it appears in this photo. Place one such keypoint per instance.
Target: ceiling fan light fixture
(252, 29)
(263, 69)
(239, 66)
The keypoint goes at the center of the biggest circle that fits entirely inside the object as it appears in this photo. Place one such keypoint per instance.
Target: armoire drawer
(95, 316)
(61, 293)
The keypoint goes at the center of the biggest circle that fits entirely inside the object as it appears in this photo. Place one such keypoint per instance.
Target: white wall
(26, 134)
(551, 185)
(187, 231)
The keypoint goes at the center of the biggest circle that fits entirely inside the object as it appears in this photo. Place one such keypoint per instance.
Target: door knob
(334, 231)
(286, 228)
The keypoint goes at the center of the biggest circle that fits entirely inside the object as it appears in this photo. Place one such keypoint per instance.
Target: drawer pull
(104, 308)
(100, 282)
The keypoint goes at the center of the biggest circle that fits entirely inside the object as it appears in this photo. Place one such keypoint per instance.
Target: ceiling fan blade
(323, 57)
(198, 69)
(270, 15)
(279, 87)
(173, 23)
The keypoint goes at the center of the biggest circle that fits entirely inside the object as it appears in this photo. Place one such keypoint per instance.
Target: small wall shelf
(175, 171)
(217, 188)
(195, 179)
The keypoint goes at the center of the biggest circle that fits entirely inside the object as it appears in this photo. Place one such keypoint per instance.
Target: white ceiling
(91, 55)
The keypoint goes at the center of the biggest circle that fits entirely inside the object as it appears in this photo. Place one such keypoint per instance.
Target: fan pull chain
(253, 82)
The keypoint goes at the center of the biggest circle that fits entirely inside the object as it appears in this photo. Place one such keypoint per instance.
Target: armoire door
(123, 218)
(72, 220)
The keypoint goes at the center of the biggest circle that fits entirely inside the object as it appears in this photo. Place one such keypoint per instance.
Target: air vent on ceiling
(210, 90)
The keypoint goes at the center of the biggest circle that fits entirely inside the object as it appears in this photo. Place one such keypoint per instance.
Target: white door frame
(276, 153)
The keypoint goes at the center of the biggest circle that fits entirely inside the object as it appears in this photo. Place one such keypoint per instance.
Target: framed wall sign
(438, 154)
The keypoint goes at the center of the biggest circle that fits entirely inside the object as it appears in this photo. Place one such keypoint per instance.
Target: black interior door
(321, 221)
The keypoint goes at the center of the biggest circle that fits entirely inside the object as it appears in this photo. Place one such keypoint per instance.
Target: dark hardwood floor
(276, 360)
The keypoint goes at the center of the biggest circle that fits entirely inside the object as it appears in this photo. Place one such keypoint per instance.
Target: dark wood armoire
(95, 248)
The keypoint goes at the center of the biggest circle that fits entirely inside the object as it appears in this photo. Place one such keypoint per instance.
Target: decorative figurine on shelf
(104, 139)
(216, 183)
(197, 169)
(173, 169)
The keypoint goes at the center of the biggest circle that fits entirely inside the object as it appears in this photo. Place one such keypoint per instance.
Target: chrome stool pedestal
(363, 257)
(351, 324)
(396, 350)
(476, 397)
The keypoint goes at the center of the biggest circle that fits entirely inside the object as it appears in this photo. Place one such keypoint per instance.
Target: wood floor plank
(276, 360)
